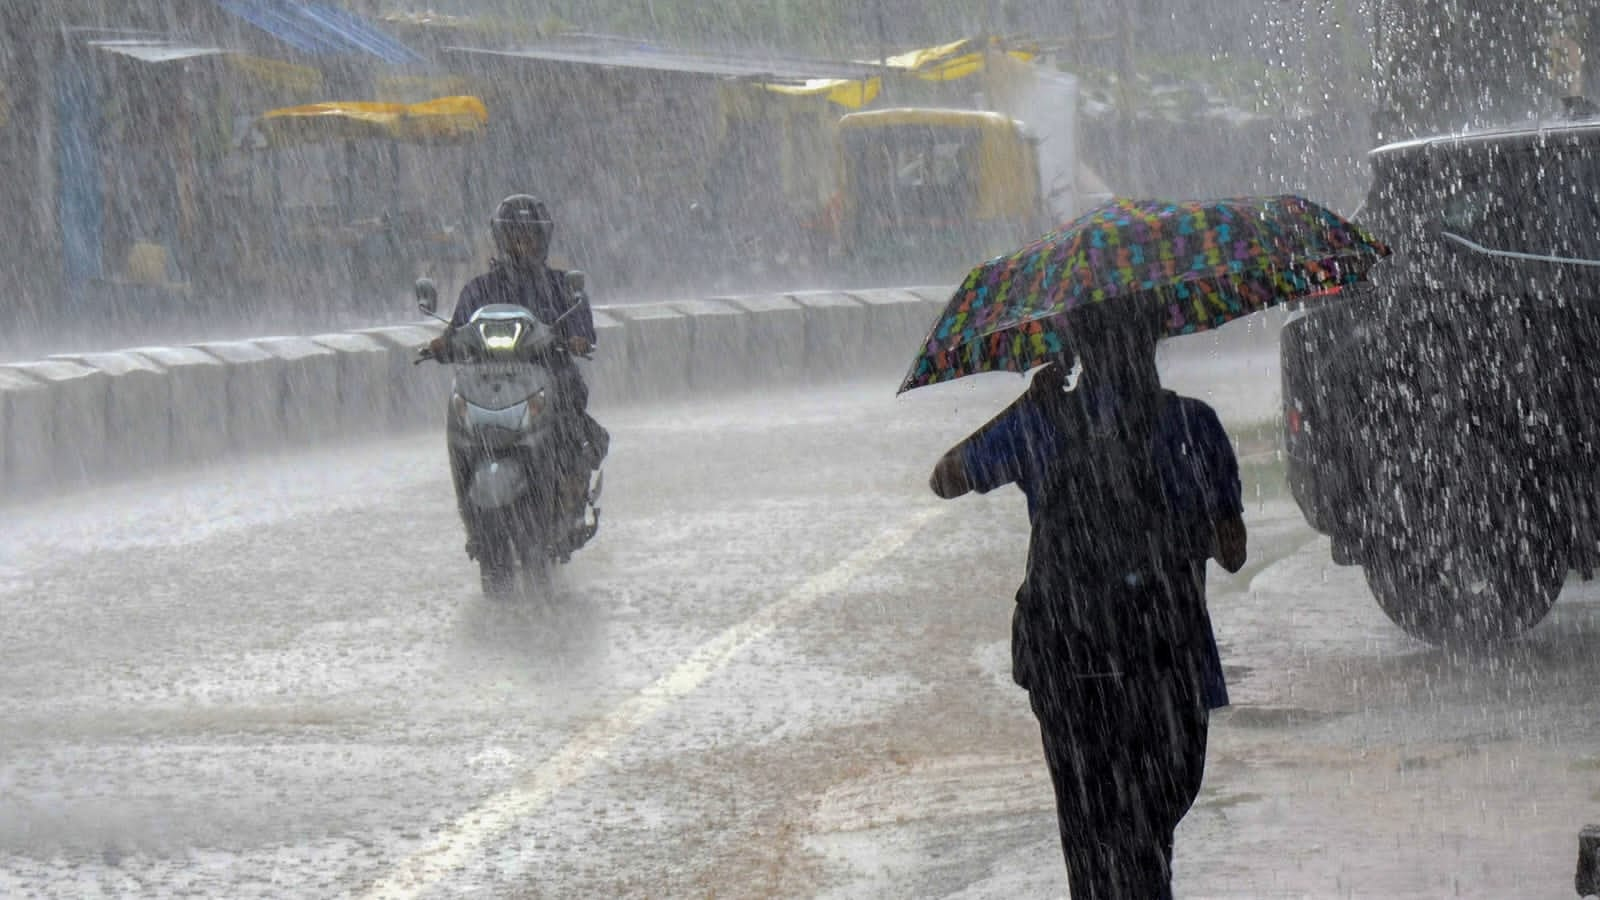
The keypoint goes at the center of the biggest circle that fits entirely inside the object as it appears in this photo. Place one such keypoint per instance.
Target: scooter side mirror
(427, 296)
(576, 281)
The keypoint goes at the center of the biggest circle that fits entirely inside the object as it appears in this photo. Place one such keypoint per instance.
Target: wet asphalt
(779, 671)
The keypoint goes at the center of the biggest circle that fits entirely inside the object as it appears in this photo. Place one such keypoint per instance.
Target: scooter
(505, 446)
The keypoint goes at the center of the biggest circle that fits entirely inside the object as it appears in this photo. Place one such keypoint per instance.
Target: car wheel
(1483, 575)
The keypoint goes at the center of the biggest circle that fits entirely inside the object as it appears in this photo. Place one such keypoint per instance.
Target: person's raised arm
(1229, 540)
(989, 457)
(1229, 545)
(949, 479)
(467, 303)
(580, 321)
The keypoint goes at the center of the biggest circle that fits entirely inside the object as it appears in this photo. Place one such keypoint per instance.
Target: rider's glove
(579, 344)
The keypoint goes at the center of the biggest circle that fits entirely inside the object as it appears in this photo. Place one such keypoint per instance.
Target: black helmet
(521, 212)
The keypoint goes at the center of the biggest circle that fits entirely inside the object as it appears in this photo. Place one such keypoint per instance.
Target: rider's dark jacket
(542, 290)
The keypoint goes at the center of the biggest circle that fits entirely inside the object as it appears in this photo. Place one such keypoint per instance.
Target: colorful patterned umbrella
(1199, 263)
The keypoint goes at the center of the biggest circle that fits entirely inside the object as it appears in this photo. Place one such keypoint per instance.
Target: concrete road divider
(898, 322)
(70, 419)
(138, 410)
(255, 396)
(59, 433)
(417, 393)
(937, 294)
(309, 394)
(838, 342)
(607, 374)
(24, 454)
(720, 351)
(659, 339)
(198, 416)
(777, 334)
(934, 301)
(363, 386)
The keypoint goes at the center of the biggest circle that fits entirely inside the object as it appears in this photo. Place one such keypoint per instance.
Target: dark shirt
(1096, 539)
(1199, 473)
(544, 292)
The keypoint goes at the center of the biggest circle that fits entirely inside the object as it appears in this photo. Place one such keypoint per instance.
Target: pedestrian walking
(1130, 489)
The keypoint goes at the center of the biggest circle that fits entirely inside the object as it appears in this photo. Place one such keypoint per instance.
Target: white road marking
(462, 840)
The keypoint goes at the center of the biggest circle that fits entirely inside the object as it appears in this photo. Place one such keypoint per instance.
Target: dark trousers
(1126, 755)
(583, 441)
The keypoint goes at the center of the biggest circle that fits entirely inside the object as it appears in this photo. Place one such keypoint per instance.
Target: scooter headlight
(533, 410)
(500, 337)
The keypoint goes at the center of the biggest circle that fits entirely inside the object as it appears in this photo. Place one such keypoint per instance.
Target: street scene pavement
(780, 670)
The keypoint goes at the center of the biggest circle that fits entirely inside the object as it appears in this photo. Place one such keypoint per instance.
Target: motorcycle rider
(522, 228)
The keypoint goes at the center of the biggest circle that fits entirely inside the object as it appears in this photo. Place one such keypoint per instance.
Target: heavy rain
(506, 448)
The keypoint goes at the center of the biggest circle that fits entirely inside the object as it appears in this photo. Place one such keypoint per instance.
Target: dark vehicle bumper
(1320, 438)
(1311, 494)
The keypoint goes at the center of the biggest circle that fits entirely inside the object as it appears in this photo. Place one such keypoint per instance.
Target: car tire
(1469, 584)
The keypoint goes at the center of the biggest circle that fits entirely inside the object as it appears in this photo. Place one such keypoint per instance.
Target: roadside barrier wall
(76, 420)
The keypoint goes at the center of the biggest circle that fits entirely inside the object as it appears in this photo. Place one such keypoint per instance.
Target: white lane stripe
(463, 839)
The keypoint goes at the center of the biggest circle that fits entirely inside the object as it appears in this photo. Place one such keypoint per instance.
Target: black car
(1442, 422)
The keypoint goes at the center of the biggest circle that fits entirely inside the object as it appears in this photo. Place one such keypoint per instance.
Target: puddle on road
(1275, 716)
(919, 828)
(936, 790)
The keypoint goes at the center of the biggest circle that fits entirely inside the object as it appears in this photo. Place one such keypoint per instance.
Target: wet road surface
(780, 670)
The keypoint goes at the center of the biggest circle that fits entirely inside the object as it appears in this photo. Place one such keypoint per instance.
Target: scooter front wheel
(534, 556)
(497, 580)
(497, 568)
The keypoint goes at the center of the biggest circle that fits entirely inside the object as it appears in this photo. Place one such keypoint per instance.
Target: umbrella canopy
(1196, 264)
